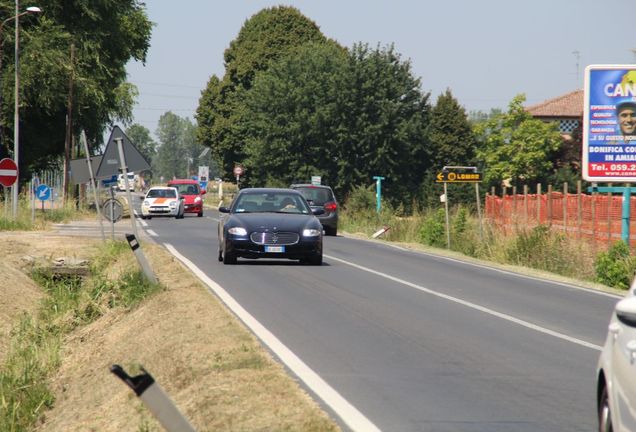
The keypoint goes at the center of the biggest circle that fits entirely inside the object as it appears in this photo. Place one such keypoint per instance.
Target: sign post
(609, 131)
(378, 193)
(238, 172)
(458, 174)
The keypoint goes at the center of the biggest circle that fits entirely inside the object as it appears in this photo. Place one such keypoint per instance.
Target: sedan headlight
(197, 199)
(309, 232)
(239, 231)
(146, 203)
(173, 204)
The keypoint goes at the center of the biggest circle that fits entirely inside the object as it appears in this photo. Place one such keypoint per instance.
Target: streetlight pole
(16, 110)
(32, 9)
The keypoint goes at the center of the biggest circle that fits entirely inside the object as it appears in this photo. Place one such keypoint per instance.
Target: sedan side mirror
(203, 192)
(626, 311)
(224, 210)
(317, 211)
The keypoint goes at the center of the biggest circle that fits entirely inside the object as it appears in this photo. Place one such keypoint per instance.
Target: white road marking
(347, 412)
(472, 305)
(151, 233)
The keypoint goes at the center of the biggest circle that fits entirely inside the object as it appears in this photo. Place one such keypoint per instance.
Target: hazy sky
(485, 51)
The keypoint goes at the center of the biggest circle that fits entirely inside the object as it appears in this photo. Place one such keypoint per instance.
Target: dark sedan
(270, 223)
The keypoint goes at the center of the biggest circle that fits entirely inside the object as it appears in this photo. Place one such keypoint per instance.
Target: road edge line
(345, 410)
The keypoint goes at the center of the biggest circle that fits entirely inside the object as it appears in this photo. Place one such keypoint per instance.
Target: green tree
(175, 135)
(452, 141)
(267, 36)
(344, 116)
(515, 148)
(294, 118)
(140, 137)
(78, 44)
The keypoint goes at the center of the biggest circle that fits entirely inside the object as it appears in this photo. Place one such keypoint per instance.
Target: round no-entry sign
(8, 172)
(238, 170)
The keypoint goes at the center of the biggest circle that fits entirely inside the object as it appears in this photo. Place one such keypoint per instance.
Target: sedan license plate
(275, 249)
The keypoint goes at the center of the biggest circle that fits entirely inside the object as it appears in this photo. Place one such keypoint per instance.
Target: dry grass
(213, 368)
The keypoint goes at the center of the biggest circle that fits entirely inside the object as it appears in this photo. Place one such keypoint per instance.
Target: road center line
(347, 412)
(472, 305)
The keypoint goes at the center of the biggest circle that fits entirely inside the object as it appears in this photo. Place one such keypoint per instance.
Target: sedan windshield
(276, 202)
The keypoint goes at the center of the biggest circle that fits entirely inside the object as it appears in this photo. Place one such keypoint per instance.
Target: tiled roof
(567, 105)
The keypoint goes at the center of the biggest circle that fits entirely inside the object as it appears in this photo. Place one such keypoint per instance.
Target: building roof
(569, 105)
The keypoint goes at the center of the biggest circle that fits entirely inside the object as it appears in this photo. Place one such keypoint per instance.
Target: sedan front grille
(274, 238)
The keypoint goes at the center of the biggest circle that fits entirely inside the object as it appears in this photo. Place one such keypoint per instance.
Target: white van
(133, 182)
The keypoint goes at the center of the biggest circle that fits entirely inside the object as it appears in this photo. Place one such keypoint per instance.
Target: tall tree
(267, 36)
(345, 116)
(172, 155)
(106, 34)
(515, 148)
(452, 141)
(140, 137)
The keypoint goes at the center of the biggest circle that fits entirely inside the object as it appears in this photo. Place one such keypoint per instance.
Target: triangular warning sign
(111, 164)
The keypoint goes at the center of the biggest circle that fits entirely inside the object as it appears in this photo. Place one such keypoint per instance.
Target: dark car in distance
(270, 223)
(321, 197)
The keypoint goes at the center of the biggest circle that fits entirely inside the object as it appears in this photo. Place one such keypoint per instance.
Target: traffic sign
(238, 171)
(8, 172)
(112, 210)
(43, 192)
(458, 177)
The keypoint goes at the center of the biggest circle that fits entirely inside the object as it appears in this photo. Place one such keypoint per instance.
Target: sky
(485, 52)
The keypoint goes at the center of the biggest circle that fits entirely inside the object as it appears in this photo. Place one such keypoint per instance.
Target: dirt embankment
(212, 367)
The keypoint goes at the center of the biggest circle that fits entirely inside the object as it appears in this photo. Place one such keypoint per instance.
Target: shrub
(615, 267)
(361, 199)
(433, 230)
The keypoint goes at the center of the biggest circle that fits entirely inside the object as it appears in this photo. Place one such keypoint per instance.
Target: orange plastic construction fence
(597, 217)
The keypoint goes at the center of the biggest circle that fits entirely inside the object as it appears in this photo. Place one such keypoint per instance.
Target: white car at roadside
(162, 201)
(616, 377)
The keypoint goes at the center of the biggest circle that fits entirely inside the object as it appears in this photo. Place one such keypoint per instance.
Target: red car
(192, 193)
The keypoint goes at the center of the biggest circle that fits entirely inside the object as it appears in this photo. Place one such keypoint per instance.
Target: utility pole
(577, 55)
(69, 129)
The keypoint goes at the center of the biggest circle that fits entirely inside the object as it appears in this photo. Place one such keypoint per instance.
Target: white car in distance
(162, 201)
(616, 376)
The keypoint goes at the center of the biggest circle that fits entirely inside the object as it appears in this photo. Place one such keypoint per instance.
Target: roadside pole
(132, 238)
(124, 171)
(90, 171)
(155, 399)
(447, 217)
(481, 224)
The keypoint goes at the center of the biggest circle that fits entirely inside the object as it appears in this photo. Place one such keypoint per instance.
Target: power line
(166, 84)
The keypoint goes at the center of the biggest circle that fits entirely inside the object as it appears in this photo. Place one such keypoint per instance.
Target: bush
(616, 268)
(361, 199)
(433, 230)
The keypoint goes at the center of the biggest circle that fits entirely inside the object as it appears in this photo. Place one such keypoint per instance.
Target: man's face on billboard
(627, 120)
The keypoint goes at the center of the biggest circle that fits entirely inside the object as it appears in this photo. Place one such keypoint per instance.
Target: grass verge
(35, 349)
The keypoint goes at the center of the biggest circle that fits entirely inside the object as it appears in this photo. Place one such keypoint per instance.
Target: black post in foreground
(155, 399)
(141, 258)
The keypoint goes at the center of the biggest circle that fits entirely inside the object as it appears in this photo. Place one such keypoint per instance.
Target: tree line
(292, 103)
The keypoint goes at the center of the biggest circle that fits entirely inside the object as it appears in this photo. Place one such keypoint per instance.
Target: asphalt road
(417, 342)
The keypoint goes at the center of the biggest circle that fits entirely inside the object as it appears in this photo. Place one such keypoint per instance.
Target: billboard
(609, 123)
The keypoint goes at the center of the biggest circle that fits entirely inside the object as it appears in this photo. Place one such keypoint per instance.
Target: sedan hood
(262, 222)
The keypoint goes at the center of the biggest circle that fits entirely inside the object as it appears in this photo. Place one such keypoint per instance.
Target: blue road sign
(43, 192)
(109, 181)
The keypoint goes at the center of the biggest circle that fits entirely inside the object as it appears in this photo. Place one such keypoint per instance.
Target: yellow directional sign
(458, 177)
